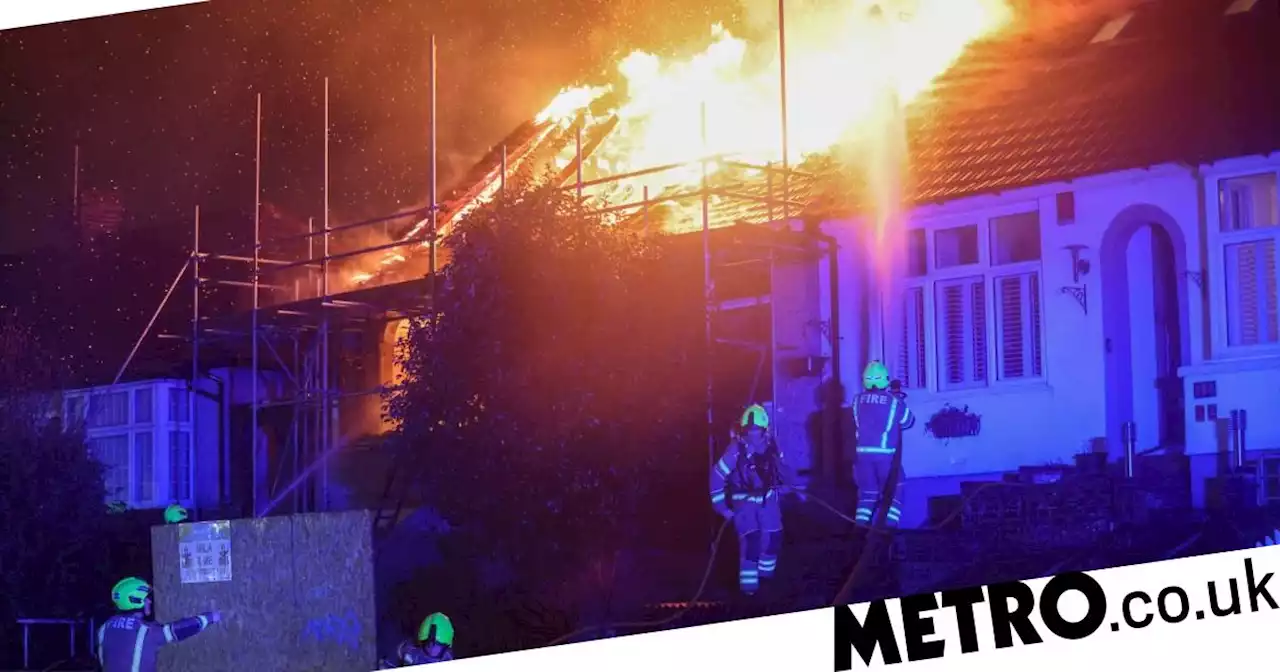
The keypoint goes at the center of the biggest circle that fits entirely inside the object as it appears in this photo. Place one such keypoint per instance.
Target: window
(109, 409)
(962, 333)
(142, 405)
(1250, 274)
(956, 247)
(113, 453)
(180, 465)
(1015, 238)
(144, 474)
(1248, 203)
(179, 405)
(1018, 320)
(911, 366)
(917, 255)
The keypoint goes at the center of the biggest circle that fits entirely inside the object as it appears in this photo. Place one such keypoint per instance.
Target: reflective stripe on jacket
(880, 418)
(127, 643)
(740, 477)
(412, 654)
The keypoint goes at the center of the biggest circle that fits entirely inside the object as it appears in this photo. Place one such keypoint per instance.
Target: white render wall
(1052, 417)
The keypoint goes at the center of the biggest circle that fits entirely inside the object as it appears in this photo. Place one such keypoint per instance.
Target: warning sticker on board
(204, 551)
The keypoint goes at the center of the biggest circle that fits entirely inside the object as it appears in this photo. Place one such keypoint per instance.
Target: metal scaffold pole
(253, 327)
(326, 422)
(577, 160)
(150, 323)
(435, 205)
(782, 103)
(195, 346)
(707, 298)
(305, 415)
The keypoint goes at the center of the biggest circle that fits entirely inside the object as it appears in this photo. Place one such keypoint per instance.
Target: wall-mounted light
(1080, 267)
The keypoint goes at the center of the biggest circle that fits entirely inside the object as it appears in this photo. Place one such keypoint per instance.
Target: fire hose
(878, 528)
(876, 532)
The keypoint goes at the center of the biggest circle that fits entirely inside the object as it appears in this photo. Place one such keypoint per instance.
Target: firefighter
(433, 645)
(175, 513)
(879, 415)
(128, 641)
(746, 485)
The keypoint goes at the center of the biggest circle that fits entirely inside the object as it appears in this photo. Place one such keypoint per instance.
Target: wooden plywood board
(301, 596)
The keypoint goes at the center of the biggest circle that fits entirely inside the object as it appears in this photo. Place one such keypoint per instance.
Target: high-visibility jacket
(742, 477)
(409, 654)
(127, 643)
(880, 416)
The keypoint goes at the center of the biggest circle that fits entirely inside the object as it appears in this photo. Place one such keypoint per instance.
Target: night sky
(162, 102)
(162, 105)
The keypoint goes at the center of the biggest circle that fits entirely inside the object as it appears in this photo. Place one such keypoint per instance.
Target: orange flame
(838, 64)
(842, 65)
(569, 102)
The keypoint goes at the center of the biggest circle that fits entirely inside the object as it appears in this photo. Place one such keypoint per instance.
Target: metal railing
(73, 626)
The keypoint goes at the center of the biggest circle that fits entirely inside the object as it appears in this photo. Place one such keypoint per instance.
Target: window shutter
(1251, 293)
(978, 327)
(911, 366)
(1019, 337)
(904, 345)
(954, 332)
(962, 332)
(1037, 335)
(1012, 357)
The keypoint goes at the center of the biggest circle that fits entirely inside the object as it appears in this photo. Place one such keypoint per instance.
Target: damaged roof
(1168, 81)
(1165, 81)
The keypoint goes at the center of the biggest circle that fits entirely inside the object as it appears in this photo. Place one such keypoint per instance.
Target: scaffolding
(747, 246)
(291, 340)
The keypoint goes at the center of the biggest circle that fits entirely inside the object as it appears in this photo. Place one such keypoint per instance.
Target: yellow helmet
(875, 376)
(436, 628)
(130, 594)
(175, 513)
(754, 416)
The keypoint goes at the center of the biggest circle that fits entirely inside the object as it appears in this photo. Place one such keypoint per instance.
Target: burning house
(1055, 240)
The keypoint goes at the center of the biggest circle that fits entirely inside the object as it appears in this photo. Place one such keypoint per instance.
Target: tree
(555, 401)
(51, 489)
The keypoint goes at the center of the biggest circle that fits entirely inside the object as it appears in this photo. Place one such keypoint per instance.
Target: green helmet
(174, 513)
(875, 376)
(438, 628)
(754, 416)
(130, 594)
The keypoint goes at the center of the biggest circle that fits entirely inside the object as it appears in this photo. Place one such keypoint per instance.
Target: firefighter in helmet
(880, 414)
(128, 641)
(746, 485)
(175, 513)
(434, 644)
